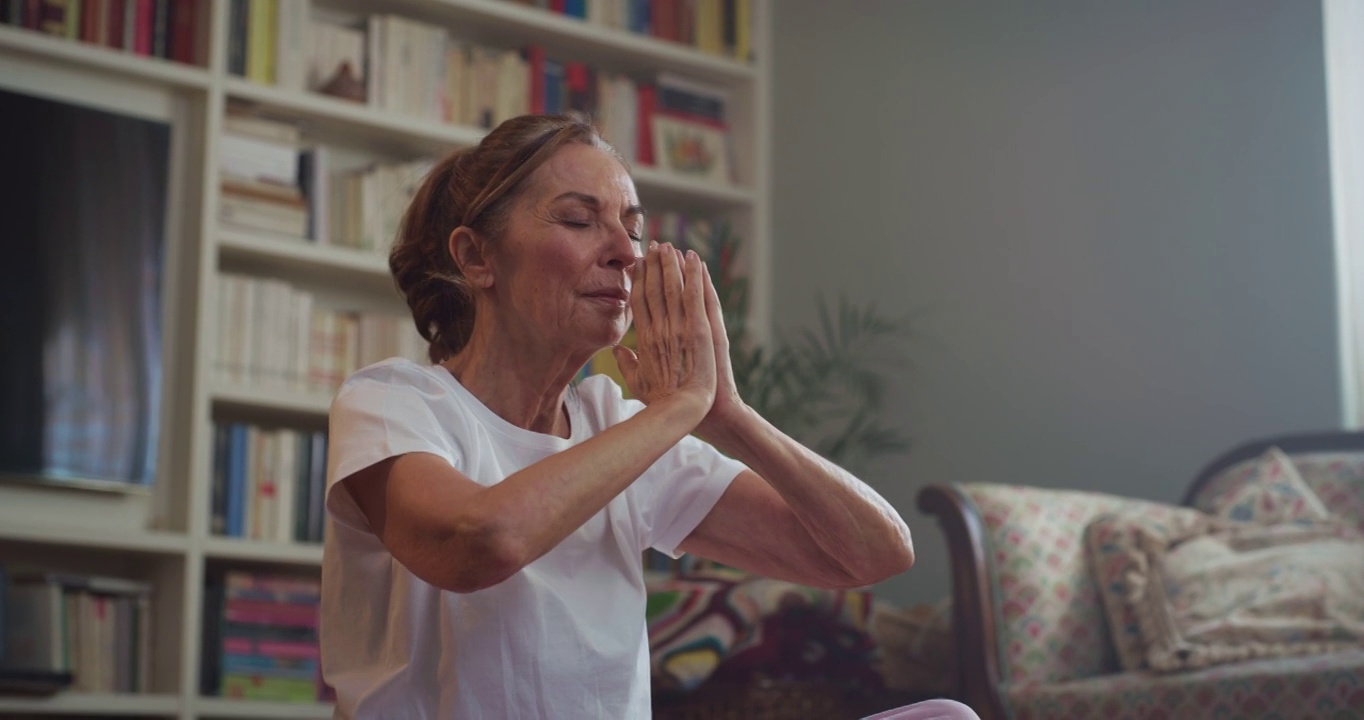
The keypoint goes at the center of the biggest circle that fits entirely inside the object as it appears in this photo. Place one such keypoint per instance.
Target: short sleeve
(378, 415)
(679, 490)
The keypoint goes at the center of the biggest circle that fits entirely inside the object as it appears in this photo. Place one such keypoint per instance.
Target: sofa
(1049, 618)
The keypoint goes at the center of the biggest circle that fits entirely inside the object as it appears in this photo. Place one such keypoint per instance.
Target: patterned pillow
(1271, 492)
(1206, 590)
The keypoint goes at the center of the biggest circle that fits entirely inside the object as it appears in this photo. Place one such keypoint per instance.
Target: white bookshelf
(162, 534)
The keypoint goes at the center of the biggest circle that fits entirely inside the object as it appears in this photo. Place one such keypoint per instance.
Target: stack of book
(259, 163)
(260, 638)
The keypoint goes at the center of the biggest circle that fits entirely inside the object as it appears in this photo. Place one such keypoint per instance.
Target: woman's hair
(473, 187)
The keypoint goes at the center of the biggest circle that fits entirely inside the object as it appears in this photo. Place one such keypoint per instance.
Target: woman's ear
(469, 252)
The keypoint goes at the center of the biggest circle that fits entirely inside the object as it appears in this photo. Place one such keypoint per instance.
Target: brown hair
(471, 187)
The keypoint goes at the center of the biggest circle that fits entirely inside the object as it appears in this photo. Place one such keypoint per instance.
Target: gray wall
(1113, 219)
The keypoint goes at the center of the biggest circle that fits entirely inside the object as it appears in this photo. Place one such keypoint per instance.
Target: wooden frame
(979, 676)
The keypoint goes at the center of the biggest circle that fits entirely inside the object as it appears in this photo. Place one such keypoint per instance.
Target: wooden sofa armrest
(978, 677)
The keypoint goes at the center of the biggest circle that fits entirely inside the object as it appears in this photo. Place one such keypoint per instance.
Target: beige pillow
(1205, 590)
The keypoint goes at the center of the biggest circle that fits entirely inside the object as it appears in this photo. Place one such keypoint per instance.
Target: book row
(274, 337)
(717, 27)
(167, 29)
(260, 638)
(91, 631)
(268, 483)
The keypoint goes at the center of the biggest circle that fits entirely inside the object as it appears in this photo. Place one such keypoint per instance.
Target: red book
(183, 18)
(143, 10)
(535, 57)
(114, 11)
(686, 22)
(33, 10)
(663, 19)
(90, 15)
(648, 100)
(557, 6)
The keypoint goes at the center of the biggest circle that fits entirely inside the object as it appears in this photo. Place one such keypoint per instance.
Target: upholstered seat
(1035, 641)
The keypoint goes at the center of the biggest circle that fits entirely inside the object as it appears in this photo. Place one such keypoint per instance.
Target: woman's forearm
(535, 508)
(857, 529)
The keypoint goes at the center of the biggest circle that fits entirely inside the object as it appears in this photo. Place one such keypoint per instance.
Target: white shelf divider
(94, 704)
(102, 59)
(302, 254)
(151, 541)
(222, 548)
(209, 708)
(279, 401)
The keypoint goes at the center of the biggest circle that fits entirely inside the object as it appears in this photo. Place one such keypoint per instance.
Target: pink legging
(928, 710)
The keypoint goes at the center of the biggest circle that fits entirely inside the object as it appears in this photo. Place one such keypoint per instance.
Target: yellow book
(262, 17)
(73, 20)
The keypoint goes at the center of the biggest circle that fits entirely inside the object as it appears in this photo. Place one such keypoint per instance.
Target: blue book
(639, 16)
(554, 87)
(236, 479)
(575, 8)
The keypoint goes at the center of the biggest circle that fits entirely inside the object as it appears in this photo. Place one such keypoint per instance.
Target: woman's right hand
(674, 352)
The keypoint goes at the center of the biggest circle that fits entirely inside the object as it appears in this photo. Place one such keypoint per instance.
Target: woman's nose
(623, 250)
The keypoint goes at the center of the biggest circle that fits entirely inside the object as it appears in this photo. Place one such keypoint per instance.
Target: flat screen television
(82, 241)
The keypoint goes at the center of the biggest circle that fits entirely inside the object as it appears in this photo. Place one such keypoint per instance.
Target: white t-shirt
(563, 638)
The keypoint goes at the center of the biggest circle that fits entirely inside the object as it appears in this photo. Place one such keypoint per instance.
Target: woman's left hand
(728, 406)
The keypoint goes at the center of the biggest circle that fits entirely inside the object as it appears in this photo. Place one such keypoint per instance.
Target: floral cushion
(1049, 617)
(1316, 687)
(1271, 491)
(1207, 590)
(1337, 480)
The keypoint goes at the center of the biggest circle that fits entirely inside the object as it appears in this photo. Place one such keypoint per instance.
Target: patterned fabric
(1109, 542)
(1319, 687)
(1271, 491)
(1208, 590)
(1337, 479)
(729, 625)
(1049, 616)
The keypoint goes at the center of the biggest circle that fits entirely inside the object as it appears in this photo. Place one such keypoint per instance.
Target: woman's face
(562, 267)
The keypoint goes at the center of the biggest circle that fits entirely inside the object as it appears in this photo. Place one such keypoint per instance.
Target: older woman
(487, 516)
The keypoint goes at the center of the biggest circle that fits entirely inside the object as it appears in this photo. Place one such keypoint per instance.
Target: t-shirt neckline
(576, 421)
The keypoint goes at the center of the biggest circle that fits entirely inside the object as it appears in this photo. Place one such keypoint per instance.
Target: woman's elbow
(474, 559)
(886, 562)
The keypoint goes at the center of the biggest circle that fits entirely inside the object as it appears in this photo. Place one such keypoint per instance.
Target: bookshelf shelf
(217, 548)
(352, 121)
(306, 259)
(217, 708)
(675, 188)
(148, 542)
(274, 402)
(98, 704)
(102, 60)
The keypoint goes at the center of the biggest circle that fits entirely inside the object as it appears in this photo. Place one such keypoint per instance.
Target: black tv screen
(83, 194)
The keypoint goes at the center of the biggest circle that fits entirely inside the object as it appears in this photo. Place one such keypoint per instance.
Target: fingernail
(691, 254)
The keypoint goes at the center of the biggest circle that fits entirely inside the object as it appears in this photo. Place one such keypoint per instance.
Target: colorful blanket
(726, 624)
